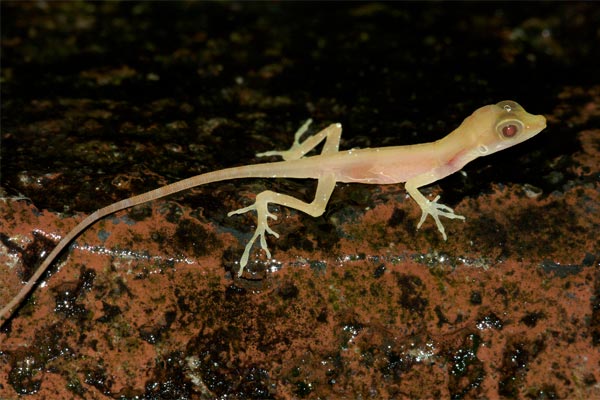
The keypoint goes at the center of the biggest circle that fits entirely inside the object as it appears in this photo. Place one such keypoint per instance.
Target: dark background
(91, 90)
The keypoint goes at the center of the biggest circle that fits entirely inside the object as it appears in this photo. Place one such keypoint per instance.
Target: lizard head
(503, 125)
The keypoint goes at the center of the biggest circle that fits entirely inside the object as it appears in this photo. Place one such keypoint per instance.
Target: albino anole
(488, 130)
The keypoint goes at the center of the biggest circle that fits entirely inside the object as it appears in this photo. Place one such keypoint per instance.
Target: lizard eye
(510, 128)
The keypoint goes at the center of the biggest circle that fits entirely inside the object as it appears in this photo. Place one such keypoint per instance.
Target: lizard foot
(262, 228)
(436, 210)
(294, 152)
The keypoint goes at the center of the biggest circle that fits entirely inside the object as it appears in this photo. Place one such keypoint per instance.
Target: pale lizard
(489, 129)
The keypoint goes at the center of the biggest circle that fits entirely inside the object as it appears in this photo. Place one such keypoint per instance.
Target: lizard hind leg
(315, 208)
(262, 226)
(331, 135)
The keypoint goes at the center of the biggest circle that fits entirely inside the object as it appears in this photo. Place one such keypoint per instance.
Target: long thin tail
(250, 171)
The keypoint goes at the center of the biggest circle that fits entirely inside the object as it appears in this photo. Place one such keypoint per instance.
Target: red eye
(509, 130)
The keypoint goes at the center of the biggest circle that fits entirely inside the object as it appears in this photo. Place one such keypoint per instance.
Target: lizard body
(489, 129)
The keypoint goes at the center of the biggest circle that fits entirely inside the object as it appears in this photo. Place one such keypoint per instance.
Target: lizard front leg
(428, 207)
